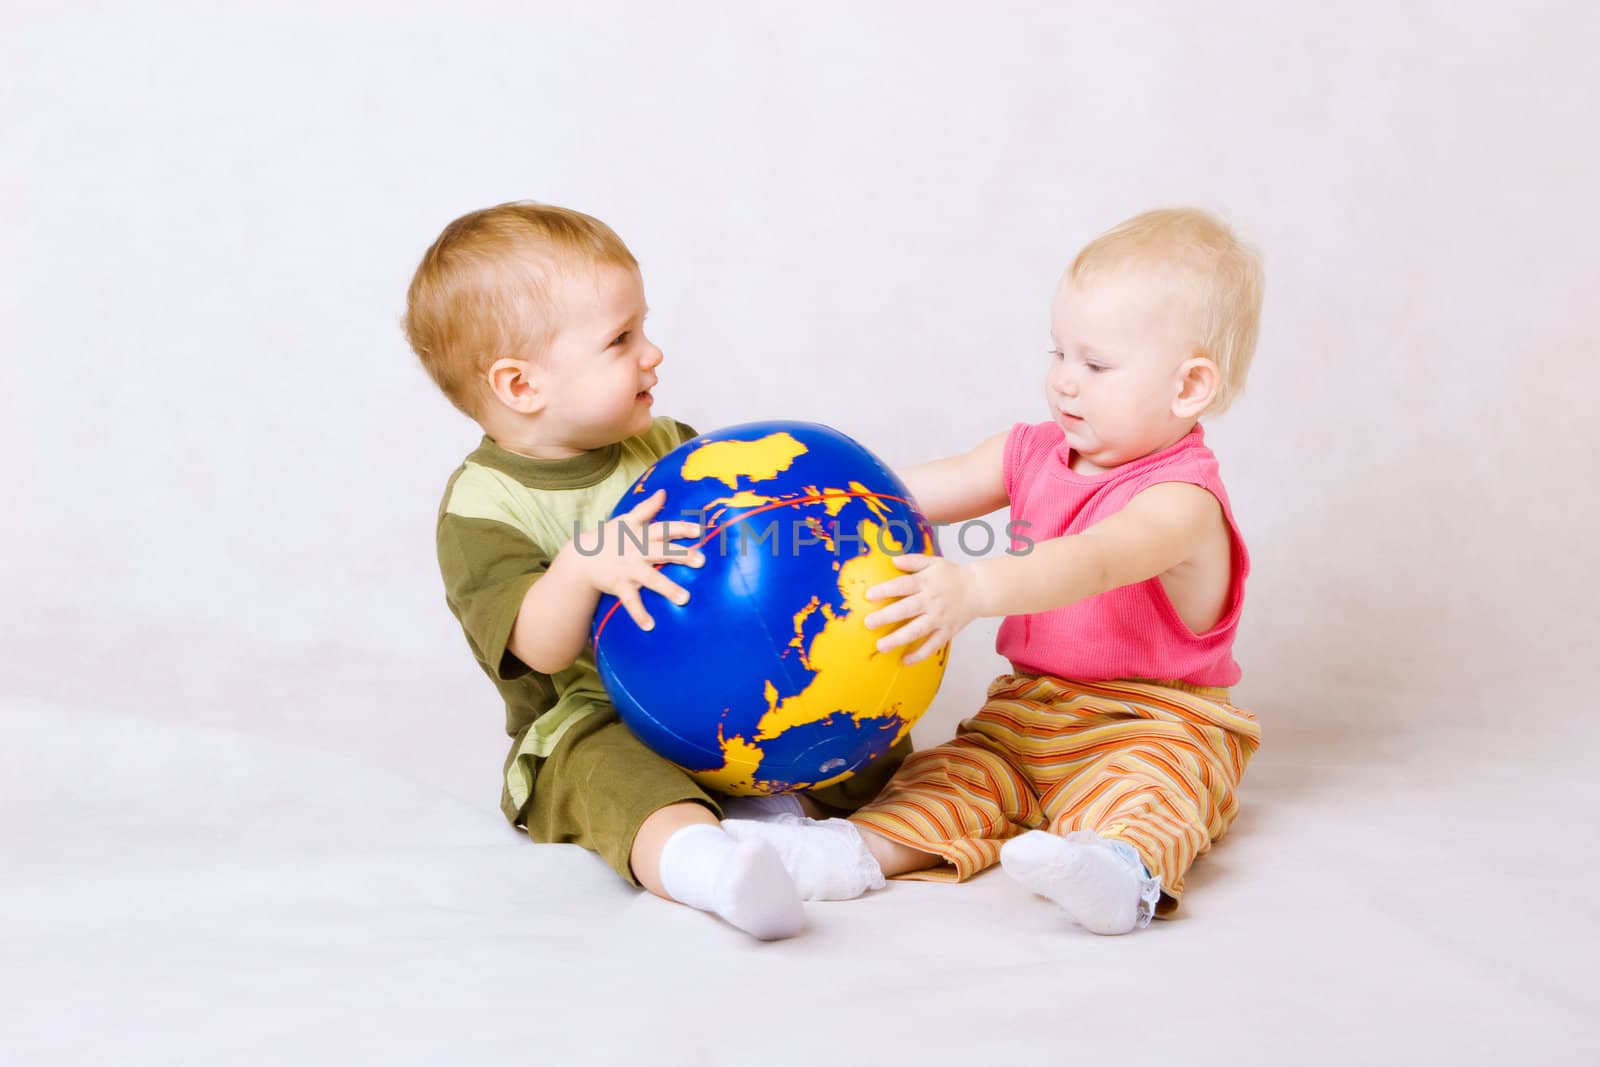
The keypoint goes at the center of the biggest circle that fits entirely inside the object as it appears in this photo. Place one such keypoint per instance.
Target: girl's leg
(942, 817)
(946, 814)
(894, 858)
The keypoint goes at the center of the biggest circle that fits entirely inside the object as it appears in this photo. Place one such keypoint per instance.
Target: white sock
(1101, 883)
(762, 809)
(742, 882)
(827, 859)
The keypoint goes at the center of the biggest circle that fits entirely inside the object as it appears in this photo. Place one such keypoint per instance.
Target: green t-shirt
(503, 519)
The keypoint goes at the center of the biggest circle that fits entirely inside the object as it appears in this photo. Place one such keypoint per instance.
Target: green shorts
(600, 783)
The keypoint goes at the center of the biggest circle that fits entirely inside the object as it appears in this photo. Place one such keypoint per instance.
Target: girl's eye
(1094, 368)
(1055, 353)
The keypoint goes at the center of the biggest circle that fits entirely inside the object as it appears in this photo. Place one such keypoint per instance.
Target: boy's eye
(621, 339)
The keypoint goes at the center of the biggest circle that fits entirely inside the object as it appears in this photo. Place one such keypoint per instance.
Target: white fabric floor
(241, 844)
(316, 873)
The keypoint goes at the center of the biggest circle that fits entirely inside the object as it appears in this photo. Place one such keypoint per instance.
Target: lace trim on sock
(866, 865)
(1149, 885)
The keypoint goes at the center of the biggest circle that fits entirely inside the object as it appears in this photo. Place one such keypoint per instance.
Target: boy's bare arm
(552, 625)
(960, 487)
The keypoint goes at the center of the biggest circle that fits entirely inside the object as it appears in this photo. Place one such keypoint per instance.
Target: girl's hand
(937, 599)
(621, 556)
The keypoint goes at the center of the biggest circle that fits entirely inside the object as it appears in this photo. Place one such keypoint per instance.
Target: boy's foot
(1101, 883)
(741, 882)
(827, 859)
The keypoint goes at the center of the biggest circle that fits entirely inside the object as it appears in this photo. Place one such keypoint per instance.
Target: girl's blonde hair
(1220, 277)
(481, 292)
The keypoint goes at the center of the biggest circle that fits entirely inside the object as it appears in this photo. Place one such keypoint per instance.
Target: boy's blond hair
(1220, 277)
(481, 291)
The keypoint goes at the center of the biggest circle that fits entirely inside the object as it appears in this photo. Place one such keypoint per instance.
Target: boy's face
(1119, 342)
(600, 367)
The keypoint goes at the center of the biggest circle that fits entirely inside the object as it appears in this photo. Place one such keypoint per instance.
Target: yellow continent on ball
(846, 665)
(849, 676)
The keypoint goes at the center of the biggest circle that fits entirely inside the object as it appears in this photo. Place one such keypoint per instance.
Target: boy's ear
(1198, 379)
(516, 384)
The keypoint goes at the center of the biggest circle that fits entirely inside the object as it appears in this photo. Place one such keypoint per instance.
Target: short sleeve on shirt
(488, 567)
(493, 546)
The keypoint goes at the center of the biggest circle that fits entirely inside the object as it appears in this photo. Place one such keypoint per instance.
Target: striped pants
(1156, 765)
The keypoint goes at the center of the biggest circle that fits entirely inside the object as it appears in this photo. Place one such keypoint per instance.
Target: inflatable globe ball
(767, 681)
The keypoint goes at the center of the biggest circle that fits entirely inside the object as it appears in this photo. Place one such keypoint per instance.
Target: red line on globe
(753, 512)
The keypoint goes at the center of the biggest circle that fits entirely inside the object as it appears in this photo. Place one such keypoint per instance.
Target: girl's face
(1120, 342)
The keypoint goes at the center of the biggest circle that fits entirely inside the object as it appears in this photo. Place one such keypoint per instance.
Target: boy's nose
(652, 357)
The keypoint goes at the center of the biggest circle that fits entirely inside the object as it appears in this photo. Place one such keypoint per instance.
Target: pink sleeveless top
(1132, 632)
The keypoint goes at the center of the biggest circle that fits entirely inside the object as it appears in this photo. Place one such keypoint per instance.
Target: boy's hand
(937, 597)
(614, 562)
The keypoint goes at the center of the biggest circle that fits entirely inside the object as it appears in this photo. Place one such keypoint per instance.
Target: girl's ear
(1198, 380)
(515, 383)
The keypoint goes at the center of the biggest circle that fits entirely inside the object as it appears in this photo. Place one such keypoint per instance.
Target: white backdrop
(224, 464)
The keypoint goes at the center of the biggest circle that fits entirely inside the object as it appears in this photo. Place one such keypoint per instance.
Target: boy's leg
(681, 856)
(602, 789)
(598, 787)
(644, 858)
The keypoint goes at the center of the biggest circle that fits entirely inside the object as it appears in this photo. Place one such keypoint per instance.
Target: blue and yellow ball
(767, 680)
